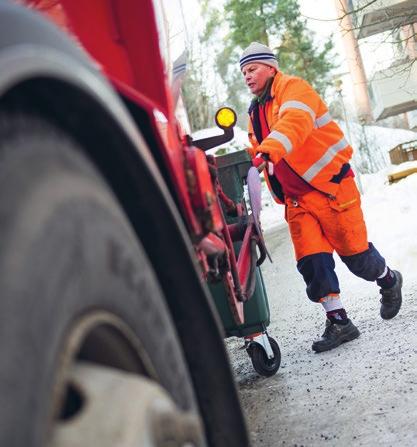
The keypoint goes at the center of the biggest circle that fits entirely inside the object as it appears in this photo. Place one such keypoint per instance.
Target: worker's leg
(315, 262)
(368, 265)
(344, 226)
(313, 252)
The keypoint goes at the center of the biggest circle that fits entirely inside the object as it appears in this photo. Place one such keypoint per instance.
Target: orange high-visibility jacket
(303, 133)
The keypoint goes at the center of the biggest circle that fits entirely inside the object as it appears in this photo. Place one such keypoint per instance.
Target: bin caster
(265, 354)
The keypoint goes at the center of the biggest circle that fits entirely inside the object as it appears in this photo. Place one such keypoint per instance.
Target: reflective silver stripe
(323, 120)
(297, 105)
(325, 159)
(283, 139)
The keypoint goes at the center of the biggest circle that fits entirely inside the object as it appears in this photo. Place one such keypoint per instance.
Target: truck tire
(75, 284)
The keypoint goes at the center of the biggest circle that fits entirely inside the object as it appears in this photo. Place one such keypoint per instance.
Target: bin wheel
(260, 361)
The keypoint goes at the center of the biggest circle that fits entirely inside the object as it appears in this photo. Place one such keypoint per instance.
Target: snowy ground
(363, 393)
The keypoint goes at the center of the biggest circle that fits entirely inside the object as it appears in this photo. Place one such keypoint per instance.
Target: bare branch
(407, 18)
(354, 11)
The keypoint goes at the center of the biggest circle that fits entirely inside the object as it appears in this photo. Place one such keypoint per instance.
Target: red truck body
(123, 39)
(89, 76)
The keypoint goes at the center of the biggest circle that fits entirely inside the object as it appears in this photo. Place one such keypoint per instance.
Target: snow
(402, 167)
(378, 141)
(383, 138)
(391, 214)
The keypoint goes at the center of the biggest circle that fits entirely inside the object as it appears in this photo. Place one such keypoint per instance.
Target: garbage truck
(112, 223)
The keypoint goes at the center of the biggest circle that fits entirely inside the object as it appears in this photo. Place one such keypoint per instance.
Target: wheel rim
(110, 415)
(117, 400)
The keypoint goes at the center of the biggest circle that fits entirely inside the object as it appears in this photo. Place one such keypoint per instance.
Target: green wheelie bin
(262, 349)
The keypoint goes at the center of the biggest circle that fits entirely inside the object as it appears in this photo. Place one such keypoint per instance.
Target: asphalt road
(363, 393)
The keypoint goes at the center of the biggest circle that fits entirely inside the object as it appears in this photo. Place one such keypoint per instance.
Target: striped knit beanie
(259, 53)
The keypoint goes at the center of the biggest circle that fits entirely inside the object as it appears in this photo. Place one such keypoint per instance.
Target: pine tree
(276, 23)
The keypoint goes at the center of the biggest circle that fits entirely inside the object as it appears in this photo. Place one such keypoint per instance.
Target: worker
(307, 169)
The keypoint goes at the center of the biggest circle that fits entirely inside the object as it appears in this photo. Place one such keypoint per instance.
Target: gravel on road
(364, 393)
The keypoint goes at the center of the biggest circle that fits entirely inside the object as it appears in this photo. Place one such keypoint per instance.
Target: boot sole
(348, 337)
(389, 317)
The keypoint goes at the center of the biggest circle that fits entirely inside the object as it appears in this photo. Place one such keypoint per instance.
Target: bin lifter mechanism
(218, 255)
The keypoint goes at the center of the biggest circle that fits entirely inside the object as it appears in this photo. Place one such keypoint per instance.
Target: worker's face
(256, 76)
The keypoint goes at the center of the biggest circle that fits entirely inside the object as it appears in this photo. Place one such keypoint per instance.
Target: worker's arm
(295, 120)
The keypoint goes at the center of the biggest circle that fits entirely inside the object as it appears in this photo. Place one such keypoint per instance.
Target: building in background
(390, 90)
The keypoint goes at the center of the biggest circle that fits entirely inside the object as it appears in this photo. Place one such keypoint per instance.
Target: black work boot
(334, 335)
(391, 298)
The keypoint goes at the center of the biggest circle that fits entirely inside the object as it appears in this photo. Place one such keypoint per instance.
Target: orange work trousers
(319, 224)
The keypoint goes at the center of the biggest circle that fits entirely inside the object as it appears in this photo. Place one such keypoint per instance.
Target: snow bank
(382, 139)
(391, 214)
(392, 169)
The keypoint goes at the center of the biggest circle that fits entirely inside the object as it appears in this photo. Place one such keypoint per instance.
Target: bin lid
(234, 158)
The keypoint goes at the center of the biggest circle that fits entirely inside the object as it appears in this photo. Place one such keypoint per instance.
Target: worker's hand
(273, 155)
(261, 161)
